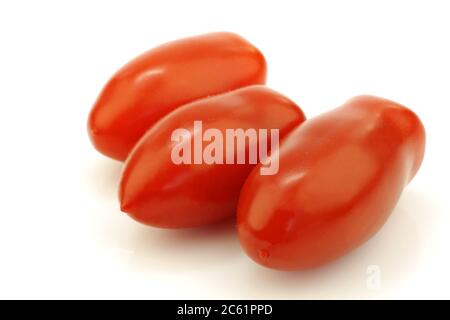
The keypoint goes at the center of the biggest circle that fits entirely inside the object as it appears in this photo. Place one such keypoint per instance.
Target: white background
(62, 234)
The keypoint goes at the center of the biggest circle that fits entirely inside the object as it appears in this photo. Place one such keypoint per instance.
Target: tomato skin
(155, 191)
(340, 176)
(166, 77)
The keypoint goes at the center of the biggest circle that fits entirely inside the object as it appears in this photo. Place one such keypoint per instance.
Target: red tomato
(156, 191)
(340, 177)
(166, 77)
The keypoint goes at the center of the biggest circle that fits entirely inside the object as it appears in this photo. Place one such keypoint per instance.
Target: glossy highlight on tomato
(340, 176)
(166, 77)
(157, 192)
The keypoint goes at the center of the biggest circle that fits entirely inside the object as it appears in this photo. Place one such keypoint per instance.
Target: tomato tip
(125, 206)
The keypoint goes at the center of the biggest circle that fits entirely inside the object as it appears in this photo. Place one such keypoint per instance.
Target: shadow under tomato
(174, 251)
